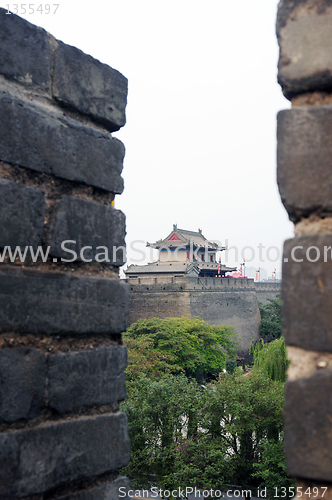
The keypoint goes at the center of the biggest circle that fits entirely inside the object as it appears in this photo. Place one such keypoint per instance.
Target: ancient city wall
(61, 356)
(217, 301)
(267, 291)
(305, 184)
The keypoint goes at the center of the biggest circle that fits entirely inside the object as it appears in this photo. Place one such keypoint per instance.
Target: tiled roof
(184, 238)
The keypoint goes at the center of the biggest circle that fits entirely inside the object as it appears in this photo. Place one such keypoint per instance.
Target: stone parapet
(305, 184)
(62, 305)
(35, 59)
(305, 39)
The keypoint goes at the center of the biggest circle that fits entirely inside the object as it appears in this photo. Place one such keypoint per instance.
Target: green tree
(178, 345)
(249, 408)
(158, 416)
(183, 436)
(271, 469)
(271, 321)
(271, 358)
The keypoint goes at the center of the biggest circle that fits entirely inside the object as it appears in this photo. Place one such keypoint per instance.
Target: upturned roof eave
(174, 243)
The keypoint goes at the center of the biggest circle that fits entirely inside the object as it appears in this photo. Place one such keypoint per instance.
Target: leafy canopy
(178, 345)
(181, 435)
(271, 358)
(271, 325)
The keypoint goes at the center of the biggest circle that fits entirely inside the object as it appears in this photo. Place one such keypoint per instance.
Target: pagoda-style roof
(183, 238)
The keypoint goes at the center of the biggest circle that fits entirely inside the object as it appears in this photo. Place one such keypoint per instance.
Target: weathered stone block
(304, 160)
(307, 292)
(22, 383)
(88, 225)
(52, 143)
(59, 303)
(112, 491)
(305, 40)
(308, 415)
(22, 212)
(25, 53)
(38, 459)
(93, 88)
(87, 378)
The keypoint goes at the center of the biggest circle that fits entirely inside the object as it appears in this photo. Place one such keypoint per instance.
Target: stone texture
(305, 40)
(93, 88)
(25, 53)
(44, 457)
(46, 141)
(88, 224)
(112, 491)
(58, 303)
(22, 213)
(308, 415)
(87, 378)
(22, 383)
(307, 293)
(304, 158)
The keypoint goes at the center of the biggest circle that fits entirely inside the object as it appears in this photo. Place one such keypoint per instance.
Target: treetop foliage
(271, 358)
(181, 435)
(178, 345)
(271, 325)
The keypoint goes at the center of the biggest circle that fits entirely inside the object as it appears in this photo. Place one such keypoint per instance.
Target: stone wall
(305, 184)
(61, 356)
(267, 291)
(217, 301)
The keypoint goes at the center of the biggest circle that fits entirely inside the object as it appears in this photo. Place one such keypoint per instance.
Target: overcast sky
(203, 96)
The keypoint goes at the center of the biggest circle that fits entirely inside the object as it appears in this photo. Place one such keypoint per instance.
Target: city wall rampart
(218, 301)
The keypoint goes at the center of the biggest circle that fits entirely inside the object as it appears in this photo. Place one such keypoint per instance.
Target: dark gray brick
(88, 224)
(305, 40)
(93, 88)
(41, 458)
(22, 383)
(307, 293)
(22, 212)
(59, 303)
(49, 142)
(112, 491)
(87, 378)
(308, 415)
(304, 160)
(25, 53)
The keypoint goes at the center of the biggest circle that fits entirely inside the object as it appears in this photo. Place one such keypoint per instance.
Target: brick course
(304, 160)
(35, 460)
(86, 378)
(91, 225)
(46, 141)
(59, 303)
(22, 223)
(22, 383)
(93, 88)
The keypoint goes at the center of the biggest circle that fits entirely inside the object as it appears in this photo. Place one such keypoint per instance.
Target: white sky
(201, 116)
